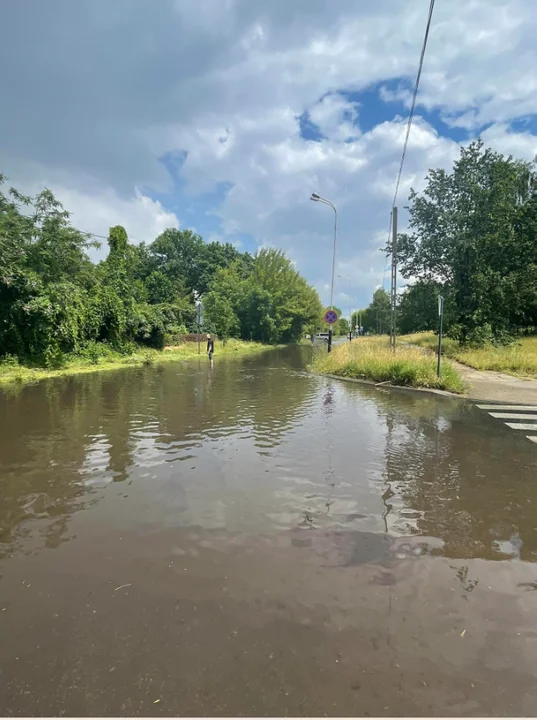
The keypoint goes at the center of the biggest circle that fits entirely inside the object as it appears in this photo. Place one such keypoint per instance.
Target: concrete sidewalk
(497, 387)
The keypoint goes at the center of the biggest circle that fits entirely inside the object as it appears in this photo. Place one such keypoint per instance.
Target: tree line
(472, 239)
(54, 301)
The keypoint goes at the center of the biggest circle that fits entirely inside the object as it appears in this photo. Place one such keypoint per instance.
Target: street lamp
(350, 308)
(317, 198)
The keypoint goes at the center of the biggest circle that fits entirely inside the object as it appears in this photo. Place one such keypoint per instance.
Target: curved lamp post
(317, 198)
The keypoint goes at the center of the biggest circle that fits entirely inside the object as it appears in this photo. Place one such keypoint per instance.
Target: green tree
(357, 319)
(278, 303)
(473, 231)
(55, 301)
(44, 277)
(418, 307)
(376, 318)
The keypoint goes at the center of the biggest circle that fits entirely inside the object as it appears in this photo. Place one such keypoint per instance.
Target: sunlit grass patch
(520, 358)
(373, 359)
(104, 358)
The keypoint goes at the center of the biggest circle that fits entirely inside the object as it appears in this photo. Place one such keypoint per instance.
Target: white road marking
(515, 412)
(513, 416)
(523, 408)
(522, 426)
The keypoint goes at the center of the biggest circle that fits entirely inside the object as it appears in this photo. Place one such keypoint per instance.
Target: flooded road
(253, 540)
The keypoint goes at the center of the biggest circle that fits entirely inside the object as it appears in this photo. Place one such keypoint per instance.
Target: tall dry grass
(373, 359)
(519, 359)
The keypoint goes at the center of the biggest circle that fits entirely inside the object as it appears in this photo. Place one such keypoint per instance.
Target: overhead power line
(409, 124)
(393, 214)
(414, 96)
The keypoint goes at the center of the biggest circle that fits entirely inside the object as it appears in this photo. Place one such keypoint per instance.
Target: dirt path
(494, 386)
(497, 387)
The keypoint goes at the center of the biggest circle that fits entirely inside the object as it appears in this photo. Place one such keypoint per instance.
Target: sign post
(330, 317)
(199, 326)
(441, 318)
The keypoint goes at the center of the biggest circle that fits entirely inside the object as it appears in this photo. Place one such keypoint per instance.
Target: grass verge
(103, 358)
(372, 359)
(519, 359)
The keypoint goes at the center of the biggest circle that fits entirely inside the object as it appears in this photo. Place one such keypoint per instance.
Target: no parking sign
(330, 317)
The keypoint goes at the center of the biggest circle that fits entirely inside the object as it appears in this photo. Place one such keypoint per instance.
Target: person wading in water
(210, 347)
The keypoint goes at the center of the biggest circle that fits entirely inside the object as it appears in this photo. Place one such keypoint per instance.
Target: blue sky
(224, 115)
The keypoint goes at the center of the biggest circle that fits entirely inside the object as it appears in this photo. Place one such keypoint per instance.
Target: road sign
(330, 317)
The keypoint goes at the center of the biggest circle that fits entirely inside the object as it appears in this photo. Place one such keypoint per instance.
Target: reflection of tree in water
(259, 398)
(446, 478)
(42, 445)
(62, 438)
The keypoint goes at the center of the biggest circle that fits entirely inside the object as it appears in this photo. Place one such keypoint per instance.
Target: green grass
(519, 359)
(103, 358)
(373, 359)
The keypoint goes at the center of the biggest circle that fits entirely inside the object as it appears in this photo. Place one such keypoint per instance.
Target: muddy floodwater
(249, 539)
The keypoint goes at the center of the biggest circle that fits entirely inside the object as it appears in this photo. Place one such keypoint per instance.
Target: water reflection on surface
(250, 539)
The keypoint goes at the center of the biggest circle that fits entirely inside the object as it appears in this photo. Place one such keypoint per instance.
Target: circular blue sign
(330, 317)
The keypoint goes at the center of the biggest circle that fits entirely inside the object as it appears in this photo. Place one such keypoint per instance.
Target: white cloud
(141, 216)
(519, 144)
(335, 117)
(225, 82)
(96, 209)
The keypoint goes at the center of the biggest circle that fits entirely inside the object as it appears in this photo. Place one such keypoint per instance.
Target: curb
(403, 388)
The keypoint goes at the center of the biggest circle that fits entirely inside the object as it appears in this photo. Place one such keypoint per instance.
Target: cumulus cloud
(95, 207)
(100, 93)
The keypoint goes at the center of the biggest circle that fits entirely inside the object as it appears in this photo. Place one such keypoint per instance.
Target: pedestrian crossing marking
(514, 412)
(522, 426)
(513, 416)
(505, 408)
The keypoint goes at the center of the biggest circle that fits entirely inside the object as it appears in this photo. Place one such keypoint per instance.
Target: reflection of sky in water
(261, 450)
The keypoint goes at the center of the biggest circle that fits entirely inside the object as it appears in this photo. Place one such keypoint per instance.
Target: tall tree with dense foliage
(417, 309)
(474, 231)
(376, 318)
(54, 301)
(271, 304)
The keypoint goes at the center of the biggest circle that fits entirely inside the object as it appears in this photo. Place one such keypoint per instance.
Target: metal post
(317, 198)
(350, 312)
(441, 314)
(393, 329)
(333, 271)
(350, 303)
(333, 258)
(199, 327)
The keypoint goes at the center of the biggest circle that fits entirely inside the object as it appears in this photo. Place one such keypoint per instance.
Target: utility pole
(441, 319)
(393, 330)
